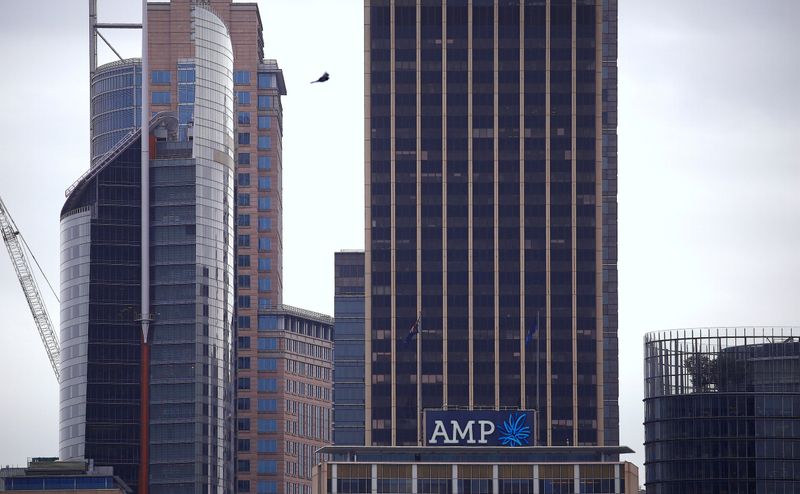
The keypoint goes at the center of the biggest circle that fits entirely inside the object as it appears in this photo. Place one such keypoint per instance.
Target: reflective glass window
(244, 179)
(185, 74)
(264, 264)
(160, 77)
(244, 240)
(186, 93)
(265, 405)
(244, 138)
(244, 118)
(264, 101)
(264, 121)
(264, 244)
(244, 200)
(266, 80)
(267, 343)
(241, 77)
(267, 466)
(267, 425)
(244, 281)
(264, 224)
(244, 158)
(243, 322)
(244, 220)
(264, 163)
(264, 183)
(243, 97)
(264, 142)
(267, 364)
(264, 284)
(160, 98)
(264, 203)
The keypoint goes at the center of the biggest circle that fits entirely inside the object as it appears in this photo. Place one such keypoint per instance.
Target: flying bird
(324, 77)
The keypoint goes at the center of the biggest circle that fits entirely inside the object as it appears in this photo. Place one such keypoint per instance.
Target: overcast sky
(709, 173)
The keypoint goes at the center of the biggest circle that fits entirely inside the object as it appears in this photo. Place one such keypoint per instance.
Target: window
(243, 383)
(241, 77)
(267, 323)
(244, 158)
(267, 343)
(160, 77)
(185, 74)
(265, 405)
(243, 485)
(244, 138)
(244, 281)
(264, 204)
(185, 114)
(244, 118)
(244, 261)
(264, 163)
(267, 466)
(186, 93)
(243, 465)
(267, 446)
(267, 487)
(244, 200)
(264, 224)
(267, 425)
(264, 142)
(244, 179)
(243, 97)
(264, 121)
(267, 364)
(244, 240)
(264, 102)
(243, 445)
(244, 220)
(243, 363)
(243, 322)
(244, 301)
(264, 183)
(243, 404)
(264, 244)
(160, 98)
(244, 342)
(267, 385)
(264, 284)
(266, 80)
(264, 303)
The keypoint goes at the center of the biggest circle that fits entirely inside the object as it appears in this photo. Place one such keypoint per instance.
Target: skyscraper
(490, 205)
(216, 128)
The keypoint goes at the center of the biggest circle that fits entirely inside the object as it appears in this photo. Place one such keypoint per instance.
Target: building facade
(188, 421)
(348, 388)
(61, 477)
(284, 400)
(491, 218)
(722, 410)
(403, 469)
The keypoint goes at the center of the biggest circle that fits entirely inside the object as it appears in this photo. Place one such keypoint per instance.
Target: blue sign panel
(479, 427)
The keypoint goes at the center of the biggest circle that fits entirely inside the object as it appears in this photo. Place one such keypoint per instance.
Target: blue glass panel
(264, 163)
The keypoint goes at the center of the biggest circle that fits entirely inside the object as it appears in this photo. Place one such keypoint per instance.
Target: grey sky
(709, 172)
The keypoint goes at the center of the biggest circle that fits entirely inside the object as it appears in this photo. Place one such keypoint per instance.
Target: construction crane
(12, 237)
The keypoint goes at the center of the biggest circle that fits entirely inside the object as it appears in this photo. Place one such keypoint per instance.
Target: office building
(722, 410)
(410, 469)
(491, 191)
(284, 399)
(348, 369)
(57, 477)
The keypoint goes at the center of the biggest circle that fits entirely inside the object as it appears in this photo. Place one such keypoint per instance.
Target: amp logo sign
(479, 427)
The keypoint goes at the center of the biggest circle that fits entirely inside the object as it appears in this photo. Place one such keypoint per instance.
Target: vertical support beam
(574, 220)
(496, 220)
(393, 213)
(144, 445)
(523, 368)
(334, 478)
(444, 207)
(598, 218)
(548, 300)
(368, 230)
(92, 38)
(470, 267)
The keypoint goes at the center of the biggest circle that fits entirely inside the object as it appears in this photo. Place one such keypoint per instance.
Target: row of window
(264, 384)
(264, 183)
(305, 389)
(264, 244)
(264, 162)
(264, 364)
(264, 101)
(263, 486)
(186, 74)
(262, 404)
(264, 121)
(264, 263)
(264, 283)
(264, 466)
(264, 142)
(310, 370)
(264, 203)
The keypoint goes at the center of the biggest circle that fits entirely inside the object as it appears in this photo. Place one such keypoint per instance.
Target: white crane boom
(30, 288)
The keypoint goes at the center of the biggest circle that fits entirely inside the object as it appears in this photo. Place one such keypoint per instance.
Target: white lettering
(463, 433)
(438, 430)
(487, 429)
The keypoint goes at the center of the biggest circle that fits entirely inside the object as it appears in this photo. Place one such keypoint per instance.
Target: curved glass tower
(192, 288)
(116, 106)
(722, 410)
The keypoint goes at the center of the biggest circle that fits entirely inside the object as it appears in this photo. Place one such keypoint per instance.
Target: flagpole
(419, 378)
(538, 333)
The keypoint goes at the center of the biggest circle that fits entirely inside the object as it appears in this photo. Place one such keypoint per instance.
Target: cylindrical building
(722, 410)
(116, 104)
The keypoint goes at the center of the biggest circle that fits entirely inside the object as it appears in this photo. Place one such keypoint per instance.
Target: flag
(412, 332)
(532, 332)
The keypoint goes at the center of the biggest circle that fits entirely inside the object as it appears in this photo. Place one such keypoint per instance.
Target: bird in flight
(324, 77)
